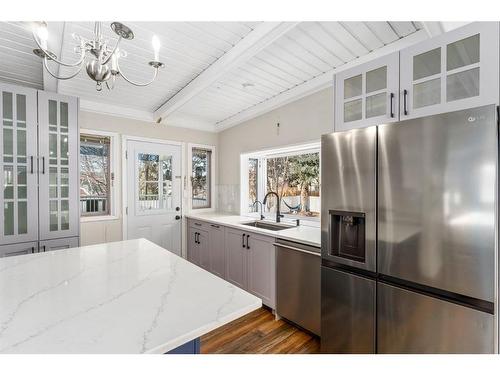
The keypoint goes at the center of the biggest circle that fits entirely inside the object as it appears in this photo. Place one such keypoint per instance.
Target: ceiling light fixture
(100, 60)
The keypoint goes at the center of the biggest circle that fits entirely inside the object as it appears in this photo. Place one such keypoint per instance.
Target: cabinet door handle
(198, 224)
(248, 246)
(32, 249)
(392, 105)
(43, 166)
(196, 237)
(43, 248)
(405, 102)
(243, 240)
(31, 164)
(214, 226)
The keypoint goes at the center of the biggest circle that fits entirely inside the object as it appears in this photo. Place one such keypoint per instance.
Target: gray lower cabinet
(261, 268)
(236, 258)
(38, 246)
(251, 264)
(199, 246)
(59, 244)
(245, 259)
(216, 253)
(18, 249)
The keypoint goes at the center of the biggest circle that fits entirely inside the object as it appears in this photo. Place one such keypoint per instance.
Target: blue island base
(191, 347)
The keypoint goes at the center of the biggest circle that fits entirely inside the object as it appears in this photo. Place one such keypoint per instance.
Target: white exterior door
(154, 193)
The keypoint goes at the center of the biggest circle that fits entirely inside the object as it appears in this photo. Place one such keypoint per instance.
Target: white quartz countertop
(303, 233)
(121, 297)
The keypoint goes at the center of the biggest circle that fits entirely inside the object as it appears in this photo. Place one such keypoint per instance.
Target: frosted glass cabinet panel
(367, 95)
(18, 155)
(58, 165)
(453, 71)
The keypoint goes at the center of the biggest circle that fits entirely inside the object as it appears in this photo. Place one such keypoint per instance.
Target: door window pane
(8, 223)
(64, 147)
(201, 178)
(21, 110)
(427, 93)
(8, 148)
(54, 215)
(376, 105)
(8, 181)
(64, 214)
(53, 148)
(427, 64)
(462, 52)
(353, 110)
(462, 85)
(53, 182)
(167, 182)
(53, 115)
(22, 217)
(21, 143)
(7, 105)
(376, 79)
(64, 117)
(95, 175)
(148, 182)
(353, 86)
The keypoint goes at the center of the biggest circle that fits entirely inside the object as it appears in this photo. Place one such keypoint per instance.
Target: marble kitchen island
(121, 297)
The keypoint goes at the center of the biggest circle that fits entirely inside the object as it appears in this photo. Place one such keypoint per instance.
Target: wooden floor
(259, 333)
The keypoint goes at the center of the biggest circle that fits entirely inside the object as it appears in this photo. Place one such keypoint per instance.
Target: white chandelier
(100, 60)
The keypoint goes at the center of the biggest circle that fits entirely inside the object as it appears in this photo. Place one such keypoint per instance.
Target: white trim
(114, 211)
(115, 110)
(263, 35)
(213, 178)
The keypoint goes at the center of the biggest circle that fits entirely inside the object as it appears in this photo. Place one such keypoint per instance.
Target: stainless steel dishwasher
(298, 284)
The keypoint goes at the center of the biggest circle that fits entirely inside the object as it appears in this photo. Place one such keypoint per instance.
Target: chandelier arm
(45, 60)
(82, 57)
(136, 83)
(114, 50)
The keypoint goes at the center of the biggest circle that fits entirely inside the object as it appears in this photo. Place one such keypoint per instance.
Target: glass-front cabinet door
(453, 71)
(367, 94)
(58, 165)
(18, 175)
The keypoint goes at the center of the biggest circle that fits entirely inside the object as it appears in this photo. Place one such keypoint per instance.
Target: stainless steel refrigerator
(409, 236)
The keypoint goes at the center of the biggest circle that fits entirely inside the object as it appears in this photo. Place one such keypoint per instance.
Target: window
(292, 172)
(201, 178)
(155, 182)
(95, 175)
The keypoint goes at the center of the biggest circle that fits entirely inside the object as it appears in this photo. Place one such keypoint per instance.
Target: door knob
(177, 217)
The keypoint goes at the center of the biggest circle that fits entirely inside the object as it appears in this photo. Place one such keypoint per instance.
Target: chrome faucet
(278, 213)
(259, 202)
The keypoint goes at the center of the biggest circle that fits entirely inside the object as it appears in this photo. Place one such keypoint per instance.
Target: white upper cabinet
(367, 94)
(18, 175)
(453, 71)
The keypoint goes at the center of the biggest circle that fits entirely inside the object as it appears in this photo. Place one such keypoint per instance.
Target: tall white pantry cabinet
(39, 171)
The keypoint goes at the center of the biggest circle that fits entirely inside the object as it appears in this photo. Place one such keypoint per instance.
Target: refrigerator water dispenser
(347, 230)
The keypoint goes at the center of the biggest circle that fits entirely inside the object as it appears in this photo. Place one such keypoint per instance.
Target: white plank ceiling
(305, 52)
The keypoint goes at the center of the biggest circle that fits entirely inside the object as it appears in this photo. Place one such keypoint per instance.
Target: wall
(302, 121)
(111, 230)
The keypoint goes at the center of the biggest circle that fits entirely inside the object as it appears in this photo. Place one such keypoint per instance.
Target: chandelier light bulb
(156, 47)
(42, 34)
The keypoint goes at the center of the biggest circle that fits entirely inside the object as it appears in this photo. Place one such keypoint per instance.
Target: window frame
(262, 157)
(113, 160)
(212, 177)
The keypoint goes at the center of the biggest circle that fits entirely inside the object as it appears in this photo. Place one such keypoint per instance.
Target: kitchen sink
(268, 226)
